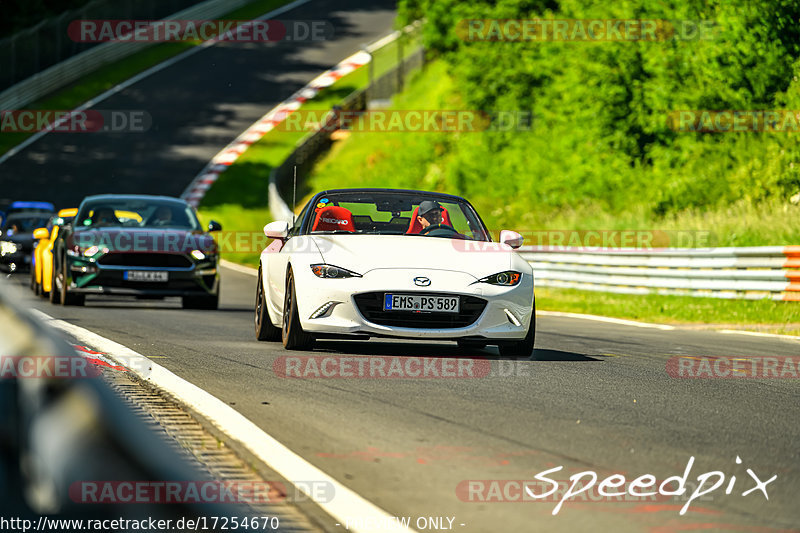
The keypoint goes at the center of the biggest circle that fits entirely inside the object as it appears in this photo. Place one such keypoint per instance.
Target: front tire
(66, 297)
(292, 334)
(523, 348)
(470, 345)
(55, 292)
(265, 330)
(37, 289)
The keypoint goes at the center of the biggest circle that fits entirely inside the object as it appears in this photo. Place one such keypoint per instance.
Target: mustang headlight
(329, 271)
(508, 278)
(8, 247)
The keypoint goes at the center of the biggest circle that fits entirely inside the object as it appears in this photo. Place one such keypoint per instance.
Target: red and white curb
(197, 189)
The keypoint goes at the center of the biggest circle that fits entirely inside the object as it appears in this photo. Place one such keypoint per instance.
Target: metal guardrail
(746, 273)
(59, 431)
(48, 42)
(77, 66)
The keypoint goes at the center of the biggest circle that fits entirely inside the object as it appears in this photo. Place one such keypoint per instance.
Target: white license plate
(420, 302)
(145, 275)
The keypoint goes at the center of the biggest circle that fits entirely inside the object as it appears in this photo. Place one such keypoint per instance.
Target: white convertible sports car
(362, 263)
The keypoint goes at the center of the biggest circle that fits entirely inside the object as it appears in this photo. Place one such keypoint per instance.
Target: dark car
(16, 238)
(136, 245)
(22, 206)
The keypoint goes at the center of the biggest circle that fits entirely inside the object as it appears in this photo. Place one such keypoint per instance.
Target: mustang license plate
(145, 275)
(420, 302)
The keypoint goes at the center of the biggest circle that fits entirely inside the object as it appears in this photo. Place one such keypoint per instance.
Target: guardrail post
(400, 61)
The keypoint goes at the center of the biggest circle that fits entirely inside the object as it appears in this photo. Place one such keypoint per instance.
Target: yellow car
(42, 262)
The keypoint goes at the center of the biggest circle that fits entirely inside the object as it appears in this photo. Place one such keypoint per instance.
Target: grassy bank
(238, 199)
(764, 316)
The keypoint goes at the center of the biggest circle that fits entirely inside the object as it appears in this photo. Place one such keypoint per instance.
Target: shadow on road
(442, 350)
(558, 355)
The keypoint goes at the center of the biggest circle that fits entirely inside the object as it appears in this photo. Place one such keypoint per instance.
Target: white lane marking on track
(239, 268)
(607, 319)
(142, 75)
(345, 504)
(759, 334)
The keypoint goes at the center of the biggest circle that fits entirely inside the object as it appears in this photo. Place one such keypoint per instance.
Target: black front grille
(155, 259)
(370, 305)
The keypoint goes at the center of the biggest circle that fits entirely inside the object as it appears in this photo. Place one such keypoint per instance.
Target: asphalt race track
(593, 397)
(197, 105)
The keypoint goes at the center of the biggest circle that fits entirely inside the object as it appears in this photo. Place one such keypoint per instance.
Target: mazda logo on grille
(422, 281)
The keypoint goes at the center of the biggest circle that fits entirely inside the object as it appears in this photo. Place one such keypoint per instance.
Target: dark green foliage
(601, 139)
(21, 14)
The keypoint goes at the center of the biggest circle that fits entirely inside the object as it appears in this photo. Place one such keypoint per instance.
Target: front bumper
(88, 276)
(497, 313)
(20, 259)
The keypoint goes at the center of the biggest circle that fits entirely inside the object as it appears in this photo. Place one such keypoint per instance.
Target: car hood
(362, 253)
(144, 240)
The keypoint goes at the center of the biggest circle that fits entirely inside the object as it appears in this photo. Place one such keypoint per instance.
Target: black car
(16, 238)
(136, 245)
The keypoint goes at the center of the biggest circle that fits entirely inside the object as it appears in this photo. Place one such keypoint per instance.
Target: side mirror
(214, 226)
(511, 238)
(277, 230)
(41, 233)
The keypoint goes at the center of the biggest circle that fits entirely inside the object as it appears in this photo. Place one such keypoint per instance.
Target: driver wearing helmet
(430, 213)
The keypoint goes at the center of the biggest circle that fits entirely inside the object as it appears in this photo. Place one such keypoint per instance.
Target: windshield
(17, 224)
(395, 213)
(136, 213)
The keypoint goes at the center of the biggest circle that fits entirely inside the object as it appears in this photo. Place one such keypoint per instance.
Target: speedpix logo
(616, 485)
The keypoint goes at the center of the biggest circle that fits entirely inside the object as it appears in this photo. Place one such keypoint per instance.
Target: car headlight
(330, 271)
(198, 255)
(508, 278)
(8, 247)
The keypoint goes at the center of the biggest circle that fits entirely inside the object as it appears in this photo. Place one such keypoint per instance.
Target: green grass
(247, 224)
(238, 198)
(755, 315)
(108, 76)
